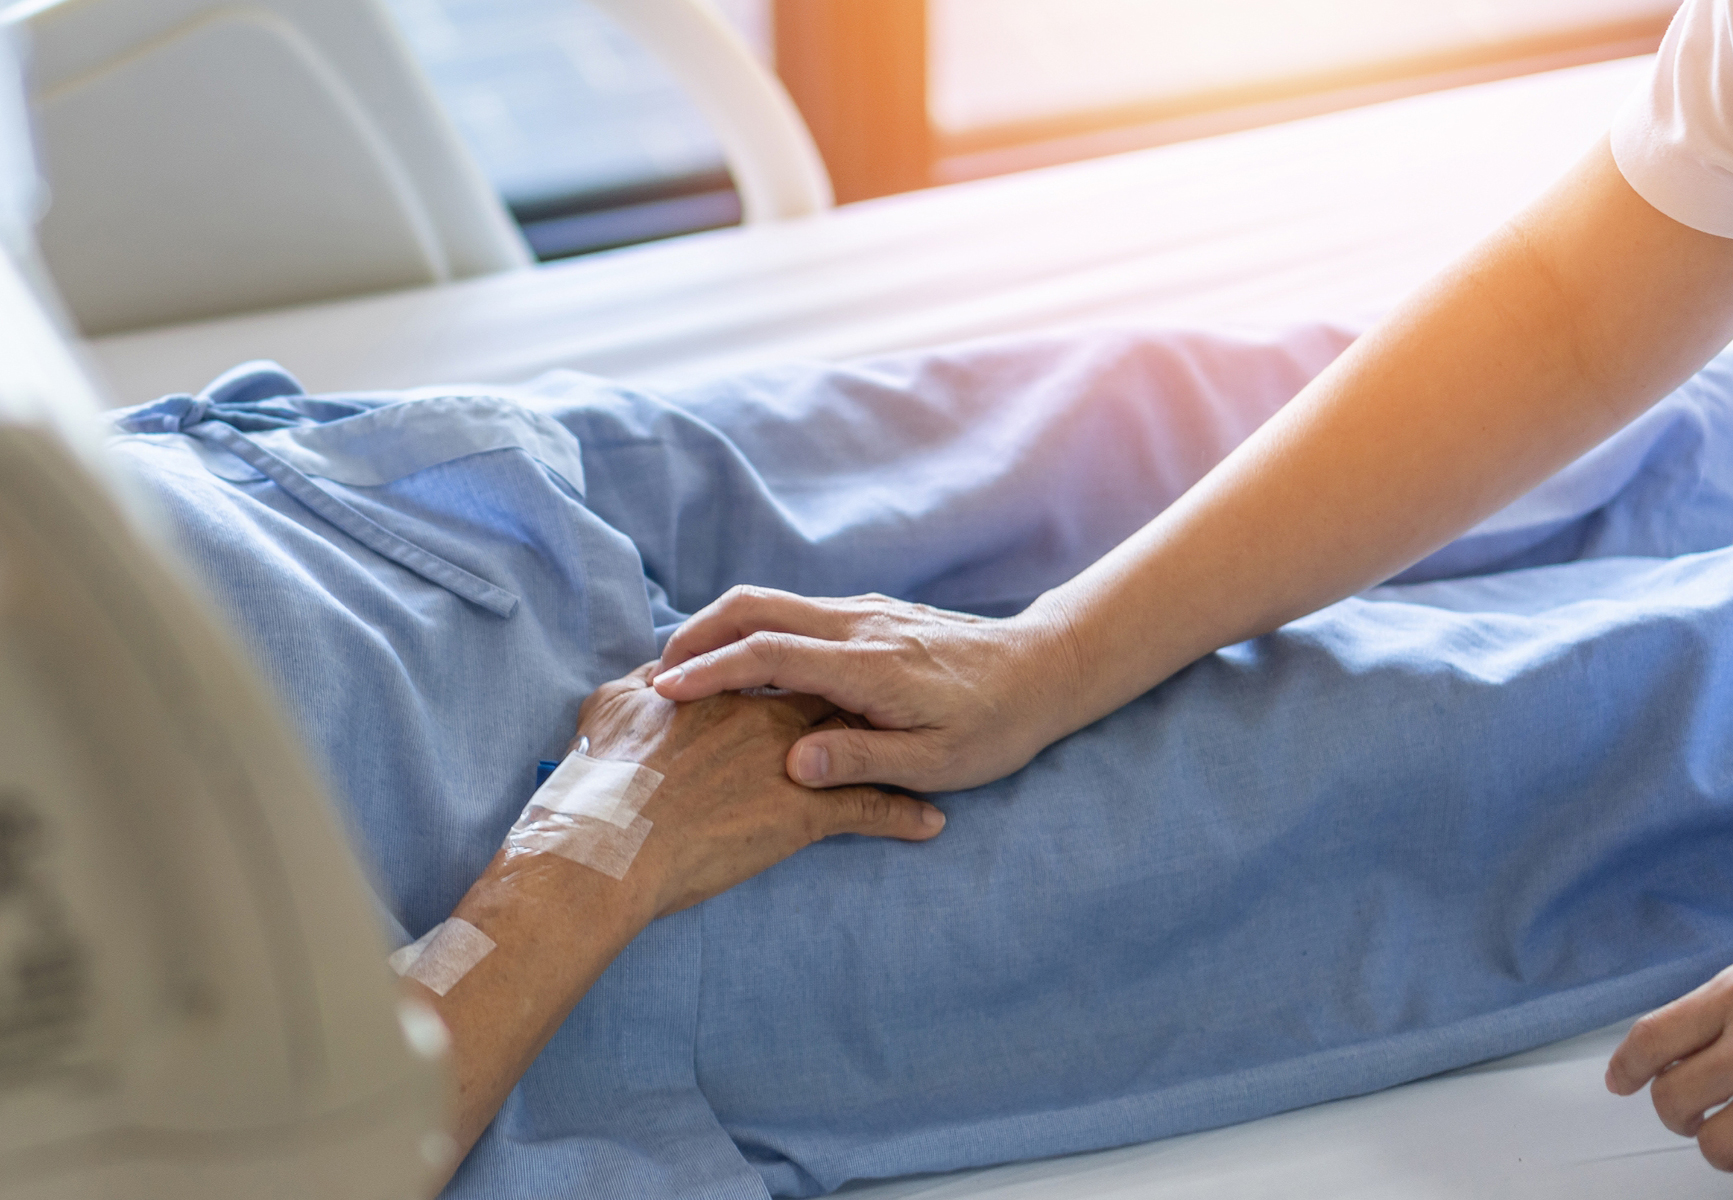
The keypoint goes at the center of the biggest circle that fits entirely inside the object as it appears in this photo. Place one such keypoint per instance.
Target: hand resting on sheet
(725, 811)
(954, 700)
(1686, 1047)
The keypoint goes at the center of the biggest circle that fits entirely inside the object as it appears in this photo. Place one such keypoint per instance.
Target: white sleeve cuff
(1661, 169)
(1673, 139)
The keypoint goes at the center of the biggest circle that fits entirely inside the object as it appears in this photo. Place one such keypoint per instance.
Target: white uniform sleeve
(1673, 140)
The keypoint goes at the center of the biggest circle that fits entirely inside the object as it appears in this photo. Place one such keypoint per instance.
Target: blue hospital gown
(1480, 808)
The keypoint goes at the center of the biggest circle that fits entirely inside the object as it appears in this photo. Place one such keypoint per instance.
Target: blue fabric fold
(369, 533)
(260, 396)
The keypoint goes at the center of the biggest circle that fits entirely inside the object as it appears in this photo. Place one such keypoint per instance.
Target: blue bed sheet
(1480, 808)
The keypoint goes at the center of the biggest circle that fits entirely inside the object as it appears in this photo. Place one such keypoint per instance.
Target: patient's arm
(1686, 1047)
(1548, 337)
(723, 812)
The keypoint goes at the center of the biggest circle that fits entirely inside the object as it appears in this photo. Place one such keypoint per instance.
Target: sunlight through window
(1004, 62)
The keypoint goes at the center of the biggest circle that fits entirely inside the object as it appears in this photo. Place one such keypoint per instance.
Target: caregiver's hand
(725, 809)
(1686, 1047)
(955, 700)
(1543, 341)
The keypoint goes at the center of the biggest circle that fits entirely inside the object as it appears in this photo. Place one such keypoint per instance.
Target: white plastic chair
(208, 157)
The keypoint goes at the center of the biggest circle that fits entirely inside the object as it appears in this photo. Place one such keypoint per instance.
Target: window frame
(858, 71)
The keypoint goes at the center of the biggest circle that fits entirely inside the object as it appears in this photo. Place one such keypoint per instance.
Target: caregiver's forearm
(1549, 337)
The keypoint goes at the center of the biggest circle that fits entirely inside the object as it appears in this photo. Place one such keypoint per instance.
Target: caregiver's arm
(723, 812)
(1547, 338)
(1686, 1047)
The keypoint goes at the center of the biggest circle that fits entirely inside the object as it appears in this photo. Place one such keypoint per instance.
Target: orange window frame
(858, 71)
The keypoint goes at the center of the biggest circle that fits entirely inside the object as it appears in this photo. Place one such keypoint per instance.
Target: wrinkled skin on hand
(1686, 1048)
(726, 809)
(955, 700)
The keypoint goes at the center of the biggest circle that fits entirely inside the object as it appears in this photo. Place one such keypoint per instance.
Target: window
(1020, 82)
(587, 138)
(593, 145)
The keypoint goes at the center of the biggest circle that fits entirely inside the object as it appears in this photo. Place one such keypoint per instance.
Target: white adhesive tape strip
(600, 845)
(603, 788)
(587, 812)
(443, 955)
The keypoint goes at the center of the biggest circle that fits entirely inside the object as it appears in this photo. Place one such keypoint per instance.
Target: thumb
(873, 813)
(834, 757)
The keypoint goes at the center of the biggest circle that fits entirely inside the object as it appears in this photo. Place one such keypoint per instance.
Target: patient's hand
(1686, 1047)
(725, 809)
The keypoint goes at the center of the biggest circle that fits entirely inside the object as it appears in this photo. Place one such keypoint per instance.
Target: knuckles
(768, 646)
(847, 757)
(844, 810)
(745, 595)
(1646, 1040)
(863, 807)
(872, 808)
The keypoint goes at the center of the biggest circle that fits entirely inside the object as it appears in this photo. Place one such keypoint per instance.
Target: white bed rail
(776, 166)
(211, 157)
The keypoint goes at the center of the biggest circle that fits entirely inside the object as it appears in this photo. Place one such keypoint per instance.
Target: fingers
(1687, 1049)
(1670, 1033)
(1715, 1139)
(873, 813)
(1685, 1092)
(782, 660)
(808, 709)
(835, 757)
(743, 611)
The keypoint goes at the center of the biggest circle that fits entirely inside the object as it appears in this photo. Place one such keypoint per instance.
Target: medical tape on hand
(587, 812)
(443, 955)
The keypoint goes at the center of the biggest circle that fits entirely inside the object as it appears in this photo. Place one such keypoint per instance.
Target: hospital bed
(1333, 217)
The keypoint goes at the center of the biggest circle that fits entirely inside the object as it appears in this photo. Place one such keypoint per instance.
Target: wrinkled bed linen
(1480, 808)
